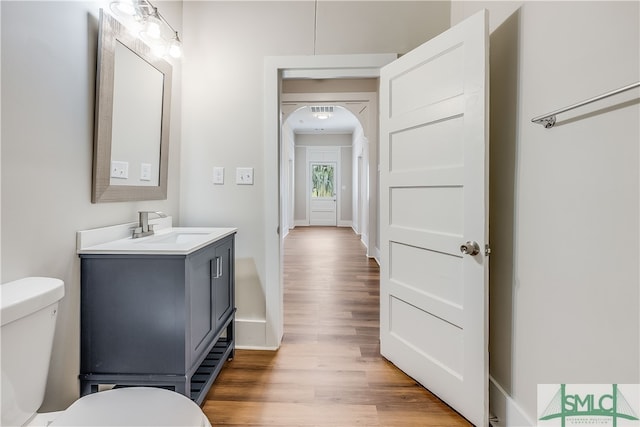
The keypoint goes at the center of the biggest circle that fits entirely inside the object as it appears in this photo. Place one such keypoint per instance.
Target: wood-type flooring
(328, 370)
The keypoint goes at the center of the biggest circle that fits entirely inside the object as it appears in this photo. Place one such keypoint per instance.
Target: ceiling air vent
(322, 111)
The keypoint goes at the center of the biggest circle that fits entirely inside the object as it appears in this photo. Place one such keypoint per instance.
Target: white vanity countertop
(166, 240)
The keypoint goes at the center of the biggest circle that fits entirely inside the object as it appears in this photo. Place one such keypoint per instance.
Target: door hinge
(487, 250)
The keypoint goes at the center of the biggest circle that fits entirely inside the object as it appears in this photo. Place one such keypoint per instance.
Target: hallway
(328, 370)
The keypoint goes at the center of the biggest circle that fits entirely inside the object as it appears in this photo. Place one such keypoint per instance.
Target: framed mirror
(133, 104)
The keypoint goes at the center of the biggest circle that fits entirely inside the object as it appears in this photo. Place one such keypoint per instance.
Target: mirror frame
(110, 32)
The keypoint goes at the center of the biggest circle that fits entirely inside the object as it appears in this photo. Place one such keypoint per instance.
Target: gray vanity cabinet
(157, 320)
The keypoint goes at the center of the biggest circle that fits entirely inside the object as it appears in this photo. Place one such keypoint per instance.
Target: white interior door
(434, 198)
(322, 194)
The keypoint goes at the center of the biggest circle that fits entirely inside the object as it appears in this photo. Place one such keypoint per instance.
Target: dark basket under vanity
(157, 320)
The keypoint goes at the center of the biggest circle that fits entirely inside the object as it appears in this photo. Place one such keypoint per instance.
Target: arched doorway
(324, 148)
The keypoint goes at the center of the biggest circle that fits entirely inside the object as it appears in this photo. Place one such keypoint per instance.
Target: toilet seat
(134, 406)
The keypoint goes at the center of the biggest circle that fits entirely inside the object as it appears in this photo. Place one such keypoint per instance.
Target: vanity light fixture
(143, 18)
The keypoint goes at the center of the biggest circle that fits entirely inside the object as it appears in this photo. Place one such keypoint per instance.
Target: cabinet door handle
(218, 268)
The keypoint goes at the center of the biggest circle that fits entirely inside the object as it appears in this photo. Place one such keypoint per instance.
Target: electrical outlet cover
(119, 170)
(244, 176)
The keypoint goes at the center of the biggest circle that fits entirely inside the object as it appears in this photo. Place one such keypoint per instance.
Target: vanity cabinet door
(223, 292)
(210, 278)
(201, 269)
(132, 314)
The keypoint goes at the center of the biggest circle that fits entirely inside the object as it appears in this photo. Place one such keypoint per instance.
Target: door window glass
(322, 181)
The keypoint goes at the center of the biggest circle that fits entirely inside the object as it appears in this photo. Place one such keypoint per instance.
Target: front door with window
(322, 194)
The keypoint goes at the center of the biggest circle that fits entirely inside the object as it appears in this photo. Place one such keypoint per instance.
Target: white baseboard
(364, 238)
(305, 223)
(251, 347)
(376, 254)
(251, 333)
(503, 406)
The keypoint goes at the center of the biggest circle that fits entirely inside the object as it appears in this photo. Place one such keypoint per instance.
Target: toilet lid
(134, 406)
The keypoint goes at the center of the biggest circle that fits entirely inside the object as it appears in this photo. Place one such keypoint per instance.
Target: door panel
(436, 78)
(435, 274)
(431, 208)
(428, 146)
(433, 198)
(448, 354)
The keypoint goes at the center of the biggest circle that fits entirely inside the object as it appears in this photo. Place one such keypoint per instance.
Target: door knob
(470, 248)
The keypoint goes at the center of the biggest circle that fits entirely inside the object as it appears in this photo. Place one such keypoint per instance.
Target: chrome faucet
(144, 228)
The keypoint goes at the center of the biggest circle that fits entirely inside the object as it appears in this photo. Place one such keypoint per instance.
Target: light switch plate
(120, 170)
(145, 171)
(244, 176)
(218, 175)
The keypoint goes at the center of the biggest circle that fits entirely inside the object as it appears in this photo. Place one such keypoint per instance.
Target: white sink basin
(172, 237)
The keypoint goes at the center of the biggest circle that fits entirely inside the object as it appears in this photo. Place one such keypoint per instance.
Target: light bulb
(134, 27)
(175, 47)
(152, 29)
(124, 7)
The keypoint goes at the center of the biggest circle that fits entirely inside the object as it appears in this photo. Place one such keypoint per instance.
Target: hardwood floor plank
(292, 414)
(328, 370)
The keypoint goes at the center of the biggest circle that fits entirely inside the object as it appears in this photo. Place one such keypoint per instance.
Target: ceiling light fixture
(149, 24)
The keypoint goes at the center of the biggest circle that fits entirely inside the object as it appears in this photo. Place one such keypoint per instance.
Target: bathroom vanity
(157, 311)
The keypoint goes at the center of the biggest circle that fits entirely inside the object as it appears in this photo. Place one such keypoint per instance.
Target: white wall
(358, 182)
(287, 183)
(564, 201)
(225, 46)
(345, 218)
(324, 140)
(48, 84)
(300, 214)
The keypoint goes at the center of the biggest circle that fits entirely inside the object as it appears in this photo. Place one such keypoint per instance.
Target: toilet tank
(28, 315)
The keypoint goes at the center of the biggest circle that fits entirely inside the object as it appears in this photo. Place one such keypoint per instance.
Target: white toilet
(28, 315)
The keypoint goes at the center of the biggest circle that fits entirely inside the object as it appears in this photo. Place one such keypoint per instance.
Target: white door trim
(332, 66)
